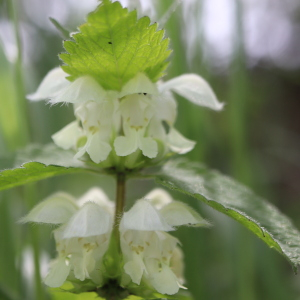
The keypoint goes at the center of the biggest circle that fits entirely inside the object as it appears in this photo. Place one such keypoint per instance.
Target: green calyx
(113, 46)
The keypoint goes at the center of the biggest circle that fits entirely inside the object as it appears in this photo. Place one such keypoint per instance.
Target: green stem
(120, 202)
(113, 257)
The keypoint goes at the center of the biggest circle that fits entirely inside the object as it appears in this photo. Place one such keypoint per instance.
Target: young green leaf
(236, 201)
(113, 46)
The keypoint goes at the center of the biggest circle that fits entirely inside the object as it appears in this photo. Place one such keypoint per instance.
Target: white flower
(150, 253)
(82, 238)
(128, 121)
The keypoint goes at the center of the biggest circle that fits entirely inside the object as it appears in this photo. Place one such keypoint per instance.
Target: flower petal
(135, 269)
(178, 213)
(178, 143)
(90, 220)
(81, 90)
(56, 209)
(195, 89)
(159, 198)
(67, 137)
(137, 110)
(157, 130)
(97, 148)
(166, 107)
(80, 263)
(97, 196)
(148, 146)
(94, 113)
(177, 265)
(52, 84)
(80, 152)
(161, 277)
(144, 217)
(139, 84)
(58, 273)
(125, 145)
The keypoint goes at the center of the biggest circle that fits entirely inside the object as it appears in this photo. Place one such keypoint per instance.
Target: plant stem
(113, 257)
(120, 199)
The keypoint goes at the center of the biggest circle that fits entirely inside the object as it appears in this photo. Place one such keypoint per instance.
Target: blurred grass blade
(20, 104)
(167, 15)
(64, 32)
(6, 294)
(236, 201)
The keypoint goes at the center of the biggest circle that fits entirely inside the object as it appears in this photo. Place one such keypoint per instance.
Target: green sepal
(113, 259)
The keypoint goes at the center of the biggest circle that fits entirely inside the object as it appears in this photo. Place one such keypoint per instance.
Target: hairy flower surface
(82, 237)
(150, 253)
(137, 121)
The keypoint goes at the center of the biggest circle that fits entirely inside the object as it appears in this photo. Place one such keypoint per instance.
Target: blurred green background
(249, 51)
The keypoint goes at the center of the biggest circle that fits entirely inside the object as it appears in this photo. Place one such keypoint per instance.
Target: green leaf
(236, 201)
(44, 162)
(67, 291)
(62, 295)
(113, 46)
(48, 154)
(30, 172)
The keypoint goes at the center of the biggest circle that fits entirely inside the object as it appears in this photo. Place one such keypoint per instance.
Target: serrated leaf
(48, 154)
(44, 162)
(30, 172)
(113, 46)
(236, 201)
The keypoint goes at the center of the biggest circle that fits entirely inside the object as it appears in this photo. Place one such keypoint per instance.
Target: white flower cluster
(138, 120)
(82, 237)
(150, 254)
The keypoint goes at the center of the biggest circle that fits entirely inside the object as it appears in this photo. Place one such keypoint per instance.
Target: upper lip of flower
(80, 218)
(83, 235)
(160, 213)
(57, 88)
(141, 105)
